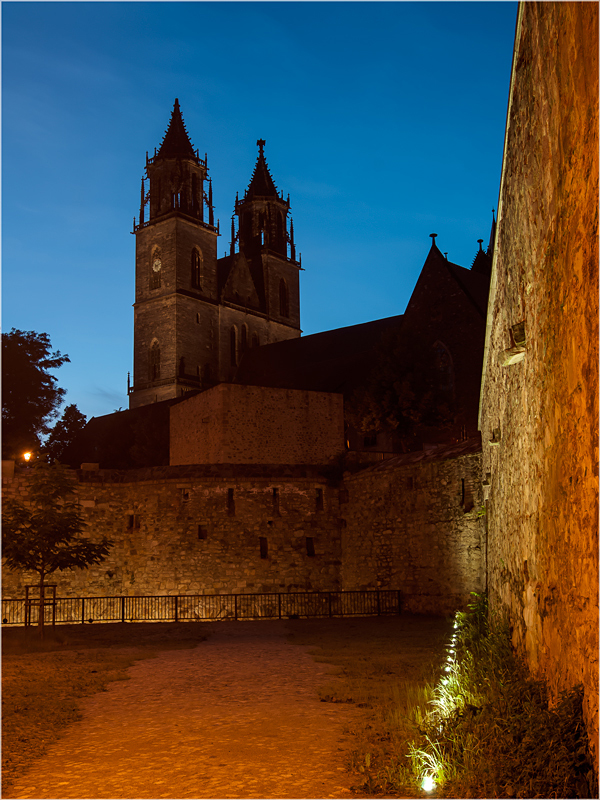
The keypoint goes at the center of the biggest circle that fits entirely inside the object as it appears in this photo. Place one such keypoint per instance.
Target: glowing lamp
(428, 783)
(27, 456)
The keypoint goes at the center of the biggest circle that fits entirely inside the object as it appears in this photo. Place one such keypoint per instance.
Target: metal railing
(201, 608)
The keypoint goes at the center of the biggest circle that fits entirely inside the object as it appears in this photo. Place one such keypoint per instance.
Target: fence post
(235, 597)
(176, 599)
(329, 594)
(83, 610)
(378, 604)
(279, 598)
(399, 603)
(122, 608)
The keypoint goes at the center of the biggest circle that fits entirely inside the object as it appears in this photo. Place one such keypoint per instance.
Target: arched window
(255, 340)
(154, 362)
(284, 305)
(197, 264)
(444, 368)
(244, 342)
(155, 268)
(233, 346)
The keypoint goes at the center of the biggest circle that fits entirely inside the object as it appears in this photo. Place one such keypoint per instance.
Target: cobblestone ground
(238, 716)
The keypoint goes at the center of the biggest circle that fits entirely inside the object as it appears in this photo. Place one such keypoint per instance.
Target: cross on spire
(261, 143)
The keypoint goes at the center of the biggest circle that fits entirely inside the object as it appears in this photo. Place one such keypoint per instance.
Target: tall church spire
(176, 142)
(262, 213)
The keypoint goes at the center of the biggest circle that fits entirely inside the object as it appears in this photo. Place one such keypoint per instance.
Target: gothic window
(284, 305)
(155, 268)
(197, 264)
(233, 346)
(154, 362)
(244, 342)
(310, 546)
(444, 369)
(264, 546)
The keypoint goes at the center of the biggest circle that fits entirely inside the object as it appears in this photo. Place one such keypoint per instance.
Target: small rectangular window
(410, 483)
(264, 547)
(230, 503)
(185, 495)
(202, 532)
(319, 500)
(276, 501)
(133, 521)
(310, 546)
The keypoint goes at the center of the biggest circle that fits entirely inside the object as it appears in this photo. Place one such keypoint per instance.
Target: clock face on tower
(156, 265)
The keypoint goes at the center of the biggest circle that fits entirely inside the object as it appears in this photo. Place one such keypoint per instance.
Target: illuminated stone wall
(539, 406)
(180, 530)
(413, 523)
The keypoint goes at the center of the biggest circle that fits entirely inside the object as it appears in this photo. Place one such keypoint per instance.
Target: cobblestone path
(238, 716)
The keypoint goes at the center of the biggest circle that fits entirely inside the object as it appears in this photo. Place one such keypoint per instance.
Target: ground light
(428, 783)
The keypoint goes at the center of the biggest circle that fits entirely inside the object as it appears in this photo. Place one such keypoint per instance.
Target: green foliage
(63, 433)
(30, 397)
(45, 535)
(490, 731)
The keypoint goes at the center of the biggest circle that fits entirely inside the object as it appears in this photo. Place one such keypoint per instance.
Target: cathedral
(196, 314)
(202, 322)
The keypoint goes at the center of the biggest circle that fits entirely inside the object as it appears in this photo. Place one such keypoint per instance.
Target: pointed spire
(211, 211)
(261, 184)
(176, 142)
(232, 249)
(490, 248)
(433, 236)
(292, 245)
(142, 204)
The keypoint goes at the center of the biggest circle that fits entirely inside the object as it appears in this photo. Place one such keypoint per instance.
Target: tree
(46, 535)
(64, 433)
(30, 396)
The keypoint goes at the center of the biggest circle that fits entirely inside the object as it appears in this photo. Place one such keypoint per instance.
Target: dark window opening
(133, 521)
(255, 340)
(154, 362)
(233, 346)
(284, 303)
(276, 501)
(410, 483)
(185, 495)
(310, 546)
(202, 532)
(264, 547)
(196, 269)
(319, 504)
(244, 343)
(230, 503)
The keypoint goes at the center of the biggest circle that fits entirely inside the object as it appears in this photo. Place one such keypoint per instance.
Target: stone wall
(231, 423)
(413, 523)
(409, 523)
(189, 530)
(539, 403)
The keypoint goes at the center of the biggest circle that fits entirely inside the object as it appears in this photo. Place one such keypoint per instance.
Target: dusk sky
(384, 121)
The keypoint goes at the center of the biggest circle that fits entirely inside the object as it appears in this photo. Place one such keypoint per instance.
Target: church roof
(261, 183)
(176, 143)
(333, 361)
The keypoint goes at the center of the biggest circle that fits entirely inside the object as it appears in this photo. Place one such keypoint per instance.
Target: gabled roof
(261, 183)
(474, 285)
(333, 361)
(176, 143)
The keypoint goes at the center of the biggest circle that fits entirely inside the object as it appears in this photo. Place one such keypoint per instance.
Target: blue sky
(383, 120)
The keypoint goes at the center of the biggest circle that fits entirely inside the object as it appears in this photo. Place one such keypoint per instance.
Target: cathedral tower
(194, 315)
(176, 291)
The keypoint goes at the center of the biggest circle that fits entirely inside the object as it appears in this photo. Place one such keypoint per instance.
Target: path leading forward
(236, 717)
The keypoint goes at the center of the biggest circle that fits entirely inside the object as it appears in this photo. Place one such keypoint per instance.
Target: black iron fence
(201, 608)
